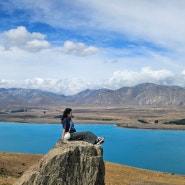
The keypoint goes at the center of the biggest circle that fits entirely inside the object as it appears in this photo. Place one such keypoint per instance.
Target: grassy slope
(12, 165)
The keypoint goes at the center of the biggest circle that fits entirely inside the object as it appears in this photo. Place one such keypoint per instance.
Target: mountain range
(142, 94)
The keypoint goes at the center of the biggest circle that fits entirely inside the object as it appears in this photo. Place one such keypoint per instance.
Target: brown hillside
(140, 95)
(13, 165)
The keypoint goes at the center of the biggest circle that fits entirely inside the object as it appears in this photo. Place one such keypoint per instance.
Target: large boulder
(68, 163)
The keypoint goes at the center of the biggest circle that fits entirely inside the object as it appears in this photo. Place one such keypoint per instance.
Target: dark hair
(65, 113)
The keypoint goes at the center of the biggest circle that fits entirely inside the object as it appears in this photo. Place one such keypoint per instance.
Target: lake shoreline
(150, 126)
(127, 117)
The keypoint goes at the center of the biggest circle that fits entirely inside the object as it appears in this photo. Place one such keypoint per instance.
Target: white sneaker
(100, 140)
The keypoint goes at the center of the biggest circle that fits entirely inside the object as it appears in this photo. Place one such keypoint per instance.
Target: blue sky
(66, 47)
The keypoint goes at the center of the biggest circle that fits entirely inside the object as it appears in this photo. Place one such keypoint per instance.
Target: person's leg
(84, 136)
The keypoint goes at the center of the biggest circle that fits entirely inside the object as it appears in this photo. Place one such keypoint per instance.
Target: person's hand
(62, 140)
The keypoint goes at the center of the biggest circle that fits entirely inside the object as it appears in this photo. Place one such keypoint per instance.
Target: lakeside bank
(127, 117)
(132, 124)
(13, 165)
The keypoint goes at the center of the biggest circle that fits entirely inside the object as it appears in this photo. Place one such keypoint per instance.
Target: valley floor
(12, 165)
(129, 117)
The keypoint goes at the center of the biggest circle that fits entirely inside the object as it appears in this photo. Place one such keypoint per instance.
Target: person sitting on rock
(69, 131)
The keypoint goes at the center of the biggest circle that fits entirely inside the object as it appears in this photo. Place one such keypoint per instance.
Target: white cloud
(7, 83)
(23, 39)
(123, 36)
(160, 22)
(36, 45)
(183, 72)
(131, 78)
(62, 86)
(71, 86)
(79, 49)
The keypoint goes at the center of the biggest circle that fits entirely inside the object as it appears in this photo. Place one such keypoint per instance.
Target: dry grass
(13, 165)
(124, 175)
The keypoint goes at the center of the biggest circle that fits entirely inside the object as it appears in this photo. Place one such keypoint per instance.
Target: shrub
(142, 121)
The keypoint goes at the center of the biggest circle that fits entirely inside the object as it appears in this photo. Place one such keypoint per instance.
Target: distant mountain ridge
(142, 94)
(18, 97)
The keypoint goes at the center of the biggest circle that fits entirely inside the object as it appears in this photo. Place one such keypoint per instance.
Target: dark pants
(84, 136)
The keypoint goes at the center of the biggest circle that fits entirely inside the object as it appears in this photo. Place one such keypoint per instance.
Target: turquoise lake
(160, 150)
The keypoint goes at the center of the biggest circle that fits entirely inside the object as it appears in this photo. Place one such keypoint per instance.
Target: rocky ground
(12, 165)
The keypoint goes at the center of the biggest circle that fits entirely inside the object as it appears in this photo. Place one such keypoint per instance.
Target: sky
(66, 46)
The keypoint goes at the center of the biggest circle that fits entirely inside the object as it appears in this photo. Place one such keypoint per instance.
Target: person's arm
(63, 133)
(64, 128)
